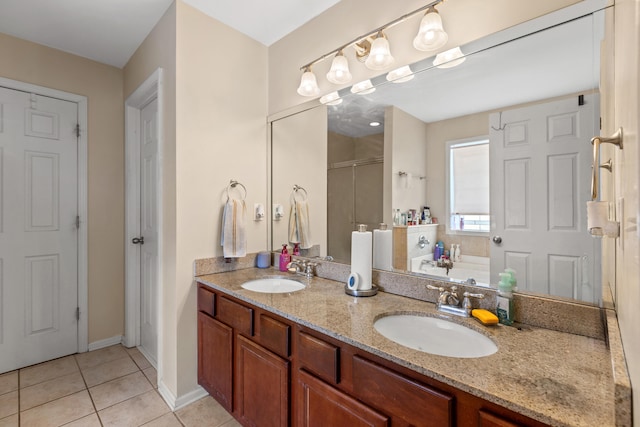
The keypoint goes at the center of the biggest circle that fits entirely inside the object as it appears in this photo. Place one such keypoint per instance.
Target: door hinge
(77, 313)
(78, 222)
(78, 130)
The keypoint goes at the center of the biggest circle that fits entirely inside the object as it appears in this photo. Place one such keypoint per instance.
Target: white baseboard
(176, 403)
(96, 345)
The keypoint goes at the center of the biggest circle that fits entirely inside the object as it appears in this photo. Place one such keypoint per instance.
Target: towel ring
(233, 184)
(296, 189)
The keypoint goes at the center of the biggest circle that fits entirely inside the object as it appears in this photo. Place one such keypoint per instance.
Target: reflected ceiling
(559, 59)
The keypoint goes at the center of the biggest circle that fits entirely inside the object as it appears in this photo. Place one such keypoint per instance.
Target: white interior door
(149, 297)
(38, 230)
(540, 178)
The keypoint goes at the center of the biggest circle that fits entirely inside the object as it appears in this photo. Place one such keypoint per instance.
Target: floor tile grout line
(87, 389)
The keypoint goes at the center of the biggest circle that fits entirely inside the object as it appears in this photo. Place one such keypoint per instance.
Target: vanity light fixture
(380, 54)
(431, 35)
(339, 72)
(308, 84)
(331, 98)
(372, 48)
(363, 88)
(449, 58)
(374, 124)
(400, 75)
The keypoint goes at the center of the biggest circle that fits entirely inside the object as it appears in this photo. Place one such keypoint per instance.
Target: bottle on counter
(505, 297)
(285, 258)
(296, 249)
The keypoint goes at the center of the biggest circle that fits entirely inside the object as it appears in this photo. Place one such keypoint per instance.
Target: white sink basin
(273, 285)
(435, 336)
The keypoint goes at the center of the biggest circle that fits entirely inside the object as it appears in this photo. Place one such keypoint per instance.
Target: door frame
(147, 91)
(83, 269)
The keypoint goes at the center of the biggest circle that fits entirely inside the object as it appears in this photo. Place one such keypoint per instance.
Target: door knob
(497, 240)
(138, 240)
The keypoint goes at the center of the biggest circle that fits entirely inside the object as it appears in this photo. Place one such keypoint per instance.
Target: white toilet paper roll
(597, 214)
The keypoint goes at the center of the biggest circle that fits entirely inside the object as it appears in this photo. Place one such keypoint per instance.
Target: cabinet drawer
(275, 335)
(413, 402)
(319, 357)
(235, 315)
(487, 419)
(206, 300)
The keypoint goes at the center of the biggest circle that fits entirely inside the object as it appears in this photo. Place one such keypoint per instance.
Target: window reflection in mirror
(468, 195)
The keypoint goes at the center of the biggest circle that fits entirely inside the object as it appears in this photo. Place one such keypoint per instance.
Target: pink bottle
(285, 258)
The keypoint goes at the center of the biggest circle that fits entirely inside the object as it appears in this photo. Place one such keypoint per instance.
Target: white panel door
(38, 234)
(540, 178)
(149, 297)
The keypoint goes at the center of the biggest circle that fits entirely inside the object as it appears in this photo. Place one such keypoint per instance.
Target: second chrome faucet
(449, 301)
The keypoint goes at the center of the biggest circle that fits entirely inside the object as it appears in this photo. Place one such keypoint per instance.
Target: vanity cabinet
(270, 371)
(246, 378)
(215, 359)
(261, 385)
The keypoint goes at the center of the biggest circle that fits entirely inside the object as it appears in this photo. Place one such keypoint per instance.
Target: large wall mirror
(498, 147)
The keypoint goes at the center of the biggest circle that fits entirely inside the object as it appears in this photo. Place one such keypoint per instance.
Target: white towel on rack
(233, 239)
(299, 231)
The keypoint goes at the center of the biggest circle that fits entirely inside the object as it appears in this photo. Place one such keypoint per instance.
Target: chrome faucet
(449, 301)
(302, 267)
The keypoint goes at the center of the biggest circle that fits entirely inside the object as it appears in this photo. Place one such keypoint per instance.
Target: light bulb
(363, 88)
(331, 99)
(449, 58)
(308, 84)
(400, 75)
(380, 54)
(339, 72)
(431, 35)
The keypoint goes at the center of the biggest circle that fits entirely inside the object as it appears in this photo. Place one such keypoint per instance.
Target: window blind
(470, 178)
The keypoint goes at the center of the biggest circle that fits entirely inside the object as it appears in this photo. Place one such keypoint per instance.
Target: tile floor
(113, 386)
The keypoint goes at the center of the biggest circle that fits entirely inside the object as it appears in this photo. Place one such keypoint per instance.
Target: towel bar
(233, 184)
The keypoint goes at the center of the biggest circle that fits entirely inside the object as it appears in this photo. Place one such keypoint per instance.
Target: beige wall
(405, 149)
(215, 131)
(102, 85)
(221, 110)
(464, 20)
(159, 50)
(300, 157)
(627, 174)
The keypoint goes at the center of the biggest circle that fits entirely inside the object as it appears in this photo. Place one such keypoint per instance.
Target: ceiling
(110, 31)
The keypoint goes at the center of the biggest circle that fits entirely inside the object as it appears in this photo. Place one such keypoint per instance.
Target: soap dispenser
(505, 297)
(285, 258)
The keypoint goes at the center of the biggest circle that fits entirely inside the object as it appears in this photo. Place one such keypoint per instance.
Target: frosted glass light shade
(431, 35)
(308, 84)
(449, 58)
(363, 88)
(400, 75)
(339, 72)
(380, 54)
(331, 99)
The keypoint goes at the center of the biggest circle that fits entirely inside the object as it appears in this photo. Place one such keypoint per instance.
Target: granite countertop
(554, 377)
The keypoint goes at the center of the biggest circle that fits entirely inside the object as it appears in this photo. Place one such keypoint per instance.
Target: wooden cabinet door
(261, 386)
(320, 405)
(215, 359)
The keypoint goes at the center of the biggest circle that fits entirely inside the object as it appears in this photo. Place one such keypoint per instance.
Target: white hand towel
(233, 240)
(299, 231)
